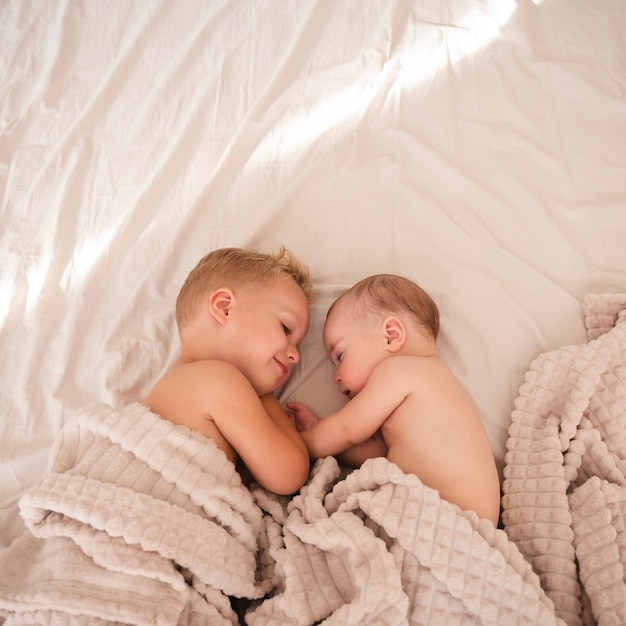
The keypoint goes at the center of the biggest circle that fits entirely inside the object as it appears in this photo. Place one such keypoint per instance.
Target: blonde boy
(241, 317)
(405, 402)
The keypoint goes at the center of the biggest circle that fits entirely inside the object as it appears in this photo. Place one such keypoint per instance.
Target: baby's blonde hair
(236, 266)
(388, 293)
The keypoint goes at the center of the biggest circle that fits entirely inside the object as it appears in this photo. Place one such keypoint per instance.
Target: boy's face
(355, 345)
(271, 321)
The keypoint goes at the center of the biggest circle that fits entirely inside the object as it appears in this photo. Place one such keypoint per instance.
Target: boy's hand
(302, 418)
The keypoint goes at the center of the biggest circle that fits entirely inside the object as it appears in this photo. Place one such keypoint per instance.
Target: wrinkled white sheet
(477, 148)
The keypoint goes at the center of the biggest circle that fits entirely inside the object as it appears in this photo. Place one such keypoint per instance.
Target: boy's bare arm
(262, 435)
(217, 392)
(281, 419)
(276, 412)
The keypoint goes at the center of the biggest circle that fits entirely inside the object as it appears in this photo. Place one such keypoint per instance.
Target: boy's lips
(283, 368)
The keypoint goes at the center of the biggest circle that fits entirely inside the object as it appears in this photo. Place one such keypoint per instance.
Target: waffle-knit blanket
(565, 469)
(137, 521)
(381, 548)
(142, 522)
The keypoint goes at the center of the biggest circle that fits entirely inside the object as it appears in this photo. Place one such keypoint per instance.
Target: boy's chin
(265, 389)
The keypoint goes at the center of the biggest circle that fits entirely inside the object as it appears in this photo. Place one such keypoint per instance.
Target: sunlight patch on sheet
(36, 277)
(418, 62)
(7, 293)
(476, 30)
(487, 23)
(76, 272)
(85, 257)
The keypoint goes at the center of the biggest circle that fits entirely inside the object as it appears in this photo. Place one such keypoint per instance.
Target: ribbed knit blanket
(565, 469)
(139, 521)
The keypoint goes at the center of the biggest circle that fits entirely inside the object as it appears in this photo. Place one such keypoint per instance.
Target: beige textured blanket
(138, 521)
(380, 548)
(565, 469)
(142, 522)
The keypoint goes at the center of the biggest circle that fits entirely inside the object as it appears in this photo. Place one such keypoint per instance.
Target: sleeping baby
(404, 401)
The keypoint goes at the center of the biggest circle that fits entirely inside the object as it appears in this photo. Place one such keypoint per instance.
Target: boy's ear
(220, 302)
(394, 333)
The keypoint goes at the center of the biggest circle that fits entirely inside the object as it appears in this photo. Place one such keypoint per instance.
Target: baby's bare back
(437, 434)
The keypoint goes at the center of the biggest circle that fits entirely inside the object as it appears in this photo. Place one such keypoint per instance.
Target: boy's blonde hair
(236, 266)
(388, 293)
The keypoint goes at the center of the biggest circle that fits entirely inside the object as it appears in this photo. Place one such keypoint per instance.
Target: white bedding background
(477, 147)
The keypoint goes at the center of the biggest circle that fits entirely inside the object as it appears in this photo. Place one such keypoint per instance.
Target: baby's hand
(302, 418)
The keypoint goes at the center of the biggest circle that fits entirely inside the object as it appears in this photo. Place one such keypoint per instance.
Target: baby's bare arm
(303, 417)
(371, 448)
(362, 416)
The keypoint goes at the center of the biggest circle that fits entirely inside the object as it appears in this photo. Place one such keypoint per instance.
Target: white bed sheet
(478, 148)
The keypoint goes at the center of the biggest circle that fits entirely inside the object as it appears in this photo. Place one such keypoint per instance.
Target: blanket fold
(142, 522)
(381, 548)
(136, 519)
(565, 469)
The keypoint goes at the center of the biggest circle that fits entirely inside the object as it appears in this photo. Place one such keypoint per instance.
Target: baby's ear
(220, 302)
(394, 333)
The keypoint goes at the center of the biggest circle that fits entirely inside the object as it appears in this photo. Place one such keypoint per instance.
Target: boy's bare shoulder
(204, 367)
(205, 375)
(190, 392)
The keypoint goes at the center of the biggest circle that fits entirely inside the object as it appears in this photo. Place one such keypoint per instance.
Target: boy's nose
(293, 355)
(337, 377)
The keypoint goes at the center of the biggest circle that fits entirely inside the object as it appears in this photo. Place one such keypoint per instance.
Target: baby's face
(355, 344)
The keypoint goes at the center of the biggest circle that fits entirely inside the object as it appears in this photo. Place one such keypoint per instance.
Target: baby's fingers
(297, 414)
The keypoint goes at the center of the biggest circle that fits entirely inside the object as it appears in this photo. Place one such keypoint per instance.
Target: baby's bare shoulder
(407, 373)
(412, 364)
